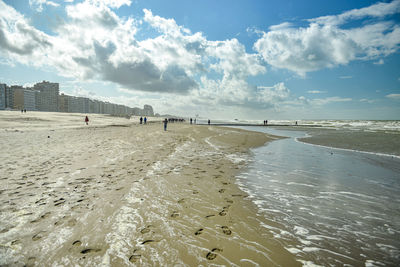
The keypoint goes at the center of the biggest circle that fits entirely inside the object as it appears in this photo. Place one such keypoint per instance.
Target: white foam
(300, 230)
(250, 261)
(351, 150)
(309, 264)
(294, 250)
(311, 249)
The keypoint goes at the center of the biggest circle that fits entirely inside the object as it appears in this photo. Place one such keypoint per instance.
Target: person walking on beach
(165, 124)
(208, 122)
(87, 120)
(191, 120)
(145, 120)
(141, 120)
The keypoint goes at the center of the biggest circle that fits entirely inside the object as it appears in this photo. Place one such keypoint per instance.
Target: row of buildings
(45, 96)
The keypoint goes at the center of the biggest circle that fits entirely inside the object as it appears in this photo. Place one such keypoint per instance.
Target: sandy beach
(116, 193)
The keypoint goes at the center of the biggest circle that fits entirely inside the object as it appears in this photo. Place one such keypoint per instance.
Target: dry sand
(116, 193)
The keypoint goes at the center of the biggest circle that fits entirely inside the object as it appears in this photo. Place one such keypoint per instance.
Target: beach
(330, 205)
(117, 193)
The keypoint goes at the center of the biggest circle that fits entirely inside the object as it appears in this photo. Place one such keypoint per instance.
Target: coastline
(129, 194)
(379, 142)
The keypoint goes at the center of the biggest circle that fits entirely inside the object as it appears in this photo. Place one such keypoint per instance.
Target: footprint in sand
(42, 217)
(222, 190)
(224, 211)
(134, 258)
(211, 255)
(148, 241)
(146, 229)
(77, 243)
(199, 232)
(174, 214)
(59, 201)
(37, 237)
(195, 192)
(226, 230)
(211, 215)
(90, 250)
(182, 200)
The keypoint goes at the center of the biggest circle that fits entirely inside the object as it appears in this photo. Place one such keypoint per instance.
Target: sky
(225, 59)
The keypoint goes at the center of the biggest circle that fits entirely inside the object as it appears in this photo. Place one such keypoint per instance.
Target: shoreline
(125, 195)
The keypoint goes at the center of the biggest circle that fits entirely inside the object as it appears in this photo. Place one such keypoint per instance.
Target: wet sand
(377, 141)
(127, 194)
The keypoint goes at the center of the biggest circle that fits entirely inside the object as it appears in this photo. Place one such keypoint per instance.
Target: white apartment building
(47, 96)
(3, 96)
(29, 99)
(76, 104)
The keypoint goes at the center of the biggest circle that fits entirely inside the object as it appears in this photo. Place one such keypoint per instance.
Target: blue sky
(219, 59)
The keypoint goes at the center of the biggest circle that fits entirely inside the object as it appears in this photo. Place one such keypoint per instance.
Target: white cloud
(393, 96)
(325, 44)
(93, 43)
(315, 92)
(379, 62)
(369, 101)
(38, 4)
(346, 77)
(378, 10)
(329, 100)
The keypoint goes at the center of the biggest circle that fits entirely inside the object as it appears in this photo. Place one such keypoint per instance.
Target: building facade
(29, 99)
(3, 96)
(47, 96)
(18, 97)
(44, 96)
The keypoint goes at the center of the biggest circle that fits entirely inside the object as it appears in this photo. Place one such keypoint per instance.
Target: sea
(329, 205)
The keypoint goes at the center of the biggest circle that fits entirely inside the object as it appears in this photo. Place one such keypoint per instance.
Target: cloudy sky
(256, 59)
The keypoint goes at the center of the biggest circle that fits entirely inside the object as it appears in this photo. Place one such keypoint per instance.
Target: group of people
(143, 120)
(265, 122)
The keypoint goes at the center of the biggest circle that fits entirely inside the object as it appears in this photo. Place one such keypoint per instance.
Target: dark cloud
(141, 75)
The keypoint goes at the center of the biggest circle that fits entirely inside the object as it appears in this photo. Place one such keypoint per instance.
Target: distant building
(29, 99)
(44, 96)
(3, 96)
(148, 110)
(18, 97)
(47, 96)
(63, 103)
(9, 98)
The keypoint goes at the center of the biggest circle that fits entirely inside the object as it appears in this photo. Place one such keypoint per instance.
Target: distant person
(145, 120)
(165, 124)
(208, 122)
(296, 122)
(141, 120)
(191, 120)
(87, 120)
(266, 122)
(24, 110)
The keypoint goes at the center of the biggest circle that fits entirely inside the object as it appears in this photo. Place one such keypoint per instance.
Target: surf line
(347, 149)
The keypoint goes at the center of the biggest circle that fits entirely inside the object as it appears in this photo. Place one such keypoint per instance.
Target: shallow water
(327, 206)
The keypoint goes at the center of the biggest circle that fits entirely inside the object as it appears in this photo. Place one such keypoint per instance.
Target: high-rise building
(47, 96)
(9, 98)
(3, 95)
(63, 101)
(148, 110)
(29, 99)
(18, 97)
